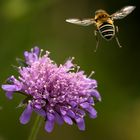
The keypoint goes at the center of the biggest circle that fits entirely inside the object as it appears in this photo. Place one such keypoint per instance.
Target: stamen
(40, 53)
(91, 74)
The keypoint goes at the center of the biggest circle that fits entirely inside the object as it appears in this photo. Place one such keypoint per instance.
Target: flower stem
(35, 128)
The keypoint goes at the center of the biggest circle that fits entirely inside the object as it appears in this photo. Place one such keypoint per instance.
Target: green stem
(35, 128)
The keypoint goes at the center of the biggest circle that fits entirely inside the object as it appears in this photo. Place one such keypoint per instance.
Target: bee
(104, 23)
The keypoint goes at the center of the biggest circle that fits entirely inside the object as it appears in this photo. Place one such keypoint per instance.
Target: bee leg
(117, 40)
(97, 40)
(117, 29)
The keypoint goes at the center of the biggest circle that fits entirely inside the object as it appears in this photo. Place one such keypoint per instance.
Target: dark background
(27, 23)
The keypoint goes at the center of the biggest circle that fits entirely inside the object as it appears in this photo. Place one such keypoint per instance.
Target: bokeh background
(27, 23)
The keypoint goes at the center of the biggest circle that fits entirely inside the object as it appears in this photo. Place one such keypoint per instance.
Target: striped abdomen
(107, 30)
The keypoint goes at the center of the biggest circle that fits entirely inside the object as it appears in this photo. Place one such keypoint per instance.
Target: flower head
(58, 93)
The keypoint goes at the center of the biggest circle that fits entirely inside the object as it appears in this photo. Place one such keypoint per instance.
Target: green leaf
(21, 62)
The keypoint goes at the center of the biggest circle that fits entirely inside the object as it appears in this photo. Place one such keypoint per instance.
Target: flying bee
(104, 23)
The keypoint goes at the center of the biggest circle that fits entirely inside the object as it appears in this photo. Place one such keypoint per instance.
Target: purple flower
(58, 93)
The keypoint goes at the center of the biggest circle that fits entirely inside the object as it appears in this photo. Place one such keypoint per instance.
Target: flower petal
(11, 87)
(9, 94)
(63, 112)
(32, 56)
(49, 125)
(25, 116)
(58, 119)
(50, 116)
(80, 123)
(84, 105)
(96, 94)
(92, 112)
(73, 104)
(40, 112)
(80, 112)
(69, 63)
(71, 113)
(68, 120)
(36, 50)
(10, 80)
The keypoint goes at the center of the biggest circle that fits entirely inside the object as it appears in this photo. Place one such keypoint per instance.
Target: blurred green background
(27, 23)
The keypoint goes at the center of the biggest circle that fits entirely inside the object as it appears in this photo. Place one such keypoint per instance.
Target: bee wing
(82, 22)
(123, 12)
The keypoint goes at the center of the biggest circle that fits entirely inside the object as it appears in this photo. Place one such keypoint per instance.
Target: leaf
(24, 102)
(21, 62)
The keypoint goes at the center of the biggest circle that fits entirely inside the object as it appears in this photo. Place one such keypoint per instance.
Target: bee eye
(96, 20)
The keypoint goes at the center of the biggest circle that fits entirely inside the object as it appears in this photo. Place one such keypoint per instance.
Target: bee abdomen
(107, 31)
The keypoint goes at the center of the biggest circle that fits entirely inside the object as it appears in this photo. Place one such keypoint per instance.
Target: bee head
(101, 15)
(100, 11)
